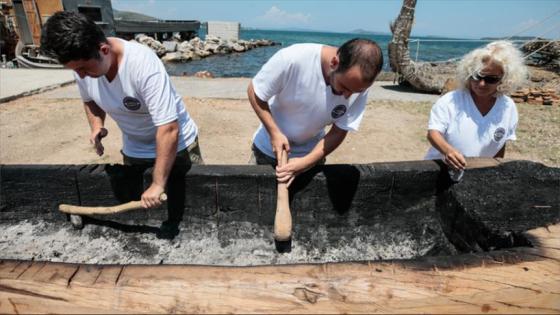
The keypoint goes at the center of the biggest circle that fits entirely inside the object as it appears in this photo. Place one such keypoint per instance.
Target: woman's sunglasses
(488, 79)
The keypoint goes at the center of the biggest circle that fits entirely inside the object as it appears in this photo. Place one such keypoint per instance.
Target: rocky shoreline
(176, 50)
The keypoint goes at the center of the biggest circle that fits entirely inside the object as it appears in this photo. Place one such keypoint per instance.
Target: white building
(224, 30)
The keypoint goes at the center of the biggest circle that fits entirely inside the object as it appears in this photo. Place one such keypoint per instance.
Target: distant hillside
(284, 29)
(366, 32)
(513, 38)
(132, 16)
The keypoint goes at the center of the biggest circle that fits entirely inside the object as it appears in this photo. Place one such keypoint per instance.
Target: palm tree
(425, 76)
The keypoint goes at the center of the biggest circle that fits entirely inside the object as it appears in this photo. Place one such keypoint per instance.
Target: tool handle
(283, 217)
(132, 205)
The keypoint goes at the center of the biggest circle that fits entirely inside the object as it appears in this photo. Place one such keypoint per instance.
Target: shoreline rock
(195, 49)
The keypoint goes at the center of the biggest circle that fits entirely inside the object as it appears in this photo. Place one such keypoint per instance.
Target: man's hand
(294, 167)
(151, 197)
(95, 140)
(455, 160)
(279, 142)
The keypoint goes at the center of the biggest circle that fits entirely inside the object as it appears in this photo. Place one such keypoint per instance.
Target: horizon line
(368, 32)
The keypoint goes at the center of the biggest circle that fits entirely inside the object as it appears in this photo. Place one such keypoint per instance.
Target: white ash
(203, 245)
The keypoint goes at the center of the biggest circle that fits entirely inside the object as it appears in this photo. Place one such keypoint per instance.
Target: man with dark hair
(301, 90)
(127, 81)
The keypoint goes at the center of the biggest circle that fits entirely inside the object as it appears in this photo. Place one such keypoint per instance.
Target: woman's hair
(503, 54)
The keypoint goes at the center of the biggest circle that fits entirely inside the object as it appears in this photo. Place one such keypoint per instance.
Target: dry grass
(538, 134)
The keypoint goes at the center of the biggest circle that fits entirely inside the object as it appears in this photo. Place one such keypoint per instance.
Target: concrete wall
(224, 30)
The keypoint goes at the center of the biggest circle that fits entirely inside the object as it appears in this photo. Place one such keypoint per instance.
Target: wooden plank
(34, 20)
(12, 269)
(31, 272)
(336, 295)
(60, 274)
(14, 304)
(86, 275)
(477, 162)
(48, 7)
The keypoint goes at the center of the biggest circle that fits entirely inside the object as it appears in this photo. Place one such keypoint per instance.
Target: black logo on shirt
(499, 134)
(338, 111)
(131, 103)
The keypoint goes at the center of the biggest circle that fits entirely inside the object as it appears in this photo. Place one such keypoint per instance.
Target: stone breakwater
(196, 48)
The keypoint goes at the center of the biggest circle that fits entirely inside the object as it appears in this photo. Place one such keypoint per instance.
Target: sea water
(247, 64)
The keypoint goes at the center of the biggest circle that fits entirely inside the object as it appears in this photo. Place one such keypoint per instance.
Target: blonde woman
(479, 118)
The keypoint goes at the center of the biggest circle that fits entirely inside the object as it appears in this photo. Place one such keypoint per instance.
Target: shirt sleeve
(353, 117)
(82, 88)
(513, 125)
(270, 80)
(439, 116)
(156, 91)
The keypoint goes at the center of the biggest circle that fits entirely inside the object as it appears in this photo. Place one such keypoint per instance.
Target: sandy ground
(41, 130)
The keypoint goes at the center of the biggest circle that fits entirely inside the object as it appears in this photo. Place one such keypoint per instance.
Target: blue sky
(450, 18)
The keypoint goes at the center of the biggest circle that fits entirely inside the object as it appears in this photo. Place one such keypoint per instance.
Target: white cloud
(276, 16)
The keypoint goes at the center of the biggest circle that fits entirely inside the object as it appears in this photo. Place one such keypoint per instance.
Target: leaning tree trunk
(424, 76)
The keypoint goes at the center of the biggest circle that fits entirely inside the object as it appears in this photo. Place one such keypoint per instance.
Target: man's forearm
(95, 115)
(166, 152)
(262, 110)
(327, 145)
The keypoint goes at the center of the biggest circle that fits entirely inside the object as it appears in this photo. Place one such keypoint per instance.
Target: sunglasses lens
(492, 80)
(487, 79)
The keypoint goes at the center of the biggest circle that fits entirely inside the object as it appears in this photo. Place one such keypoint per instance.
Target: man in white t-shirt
(127, 81)
(301, 90)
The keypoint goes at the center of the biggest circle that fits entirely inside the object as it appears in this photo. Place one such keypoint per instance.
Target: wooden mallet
(283, 218)
(76, 211)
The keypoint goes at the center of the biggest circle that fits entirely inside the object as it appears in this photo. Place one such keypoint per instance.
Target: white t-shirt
(300, 101)
(457, 118)
(140, 98)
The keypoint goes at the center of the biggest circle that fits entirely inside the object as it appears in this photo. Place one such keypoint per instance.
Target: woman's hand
(455, 160)
(451, 156)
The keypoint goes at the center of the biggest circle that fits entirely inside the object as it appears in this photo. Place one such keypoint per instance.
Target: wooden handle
(133, 205)
(283, 218)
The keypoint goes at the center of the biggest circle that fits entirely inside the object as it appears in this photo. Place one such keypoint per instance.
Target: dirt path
(38, 130)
